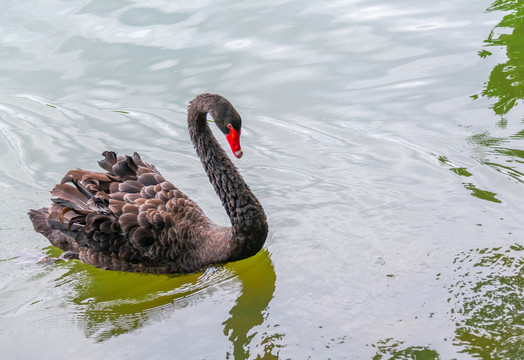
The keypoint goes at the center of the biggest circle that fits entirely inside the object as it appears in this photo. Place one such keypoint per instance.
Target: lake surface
(384, 140)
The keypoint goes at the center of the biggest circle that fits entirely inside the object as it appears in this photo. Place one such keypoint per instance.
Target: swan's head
(229, 122)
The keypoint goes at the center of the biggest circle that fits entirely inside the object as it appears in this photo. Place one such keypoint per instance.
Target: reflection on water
(250, 310)
(475, 191)
(488, 302)
(500, 148)
(390, 349)
(506, 87)
(506, 82)
(110, 304)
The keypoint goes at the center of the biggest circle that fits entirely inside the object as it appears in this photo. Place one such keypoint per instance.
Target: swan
(129, 218)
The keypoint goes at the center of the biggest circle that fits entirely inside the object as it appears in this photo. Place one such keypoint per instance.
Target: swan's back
(130, 219)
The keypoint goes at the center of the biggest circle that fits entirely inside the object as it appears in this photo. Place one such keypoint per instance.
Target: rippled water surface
(384, 139)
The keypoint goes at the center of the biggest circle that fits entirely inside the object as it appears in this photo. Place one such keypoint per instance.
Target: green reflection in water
(462, 171)
(110, 303)
(481, 194)
(506, 81)
(391, 349)
(488, 303)
(506, 87)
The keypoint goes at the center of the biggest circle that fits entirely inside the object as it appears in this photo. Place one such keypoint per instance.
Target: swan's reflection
(113, 303)
(258, 286)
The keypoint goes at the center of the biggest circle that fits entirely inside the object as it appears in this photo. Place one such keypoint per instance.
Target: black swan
(130, 218)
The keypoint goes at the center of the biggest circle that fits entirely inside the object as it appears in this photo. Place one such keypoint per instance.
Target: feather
(128, 221)
(130, 186)
(69, 196)
(108, 161)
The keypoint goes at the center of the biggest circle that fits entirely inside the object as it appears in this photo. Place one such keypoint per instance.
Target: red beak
(234, 141)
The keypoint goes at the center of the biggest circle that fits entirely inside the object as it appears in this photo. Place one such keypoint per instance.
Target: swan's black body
(131, 219)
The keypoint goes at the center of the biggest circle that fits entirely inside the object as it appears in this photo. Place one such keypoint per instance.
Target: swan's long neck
(248, 221)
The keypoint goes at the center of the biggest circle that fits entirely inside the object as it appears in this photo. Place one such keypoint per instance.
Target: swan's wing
(130, 213)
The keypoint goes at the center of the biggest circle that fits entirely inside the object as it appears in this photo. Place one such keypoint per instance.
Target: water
(384, 140)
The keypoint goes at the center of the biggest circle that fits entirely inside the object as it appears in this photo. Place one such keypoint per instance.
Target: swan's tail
(39, 220)
(54, 231)
(63, 223)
